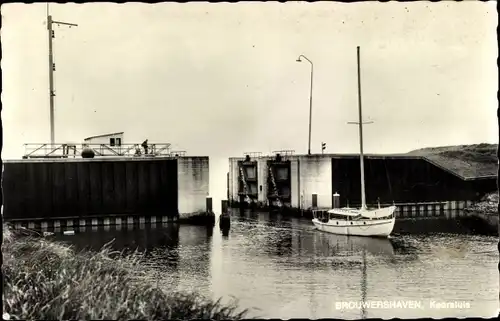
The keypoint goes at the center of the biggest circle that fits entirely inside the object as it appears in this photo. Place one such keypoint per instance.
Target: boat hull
(384, 212)
(372, 228)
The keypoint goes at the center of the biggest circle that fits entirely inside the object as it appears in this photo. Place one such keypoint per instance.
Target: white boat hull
(374, 228)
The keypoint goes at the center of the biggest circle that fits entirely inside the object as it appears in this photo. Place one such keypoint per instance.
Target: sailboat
(363, 221)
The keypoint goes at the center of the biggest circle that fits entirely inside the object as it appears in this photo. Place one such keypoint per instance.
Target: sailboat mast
(361, 163)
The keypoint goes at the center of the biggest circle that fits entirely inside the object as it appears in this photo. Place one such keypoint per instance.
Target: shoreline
(486, 211)
(488, 205)
(45, 279)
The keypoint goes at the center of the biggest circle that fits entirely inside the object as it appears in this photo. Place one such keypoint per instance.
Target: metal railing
(253, 154)
(376, 204)
(273, 183)
(180, 153)
(244, 181)
(100, 150)
(284, 152)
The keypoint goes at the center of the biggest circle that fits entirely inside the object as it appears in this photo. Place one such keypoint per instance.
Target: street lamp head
(298, 60)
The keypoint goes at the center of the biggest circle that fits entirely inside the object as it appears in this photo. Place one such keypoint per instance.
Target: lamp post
(310, 100)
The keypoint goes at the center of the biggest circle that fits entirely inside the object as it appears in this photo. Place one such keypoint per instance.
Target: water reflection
(363, 285)
(283, 267)
(433, 225)
(225, 233)
(143, 238)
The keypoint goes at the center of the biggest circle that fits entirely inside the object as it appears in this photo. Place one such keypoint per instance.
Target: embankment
(48, 280)
(485, 213)
(487, 205)
(478, 160)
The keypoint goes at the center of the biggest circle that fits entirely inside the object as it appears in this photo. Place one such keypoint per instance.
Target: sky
(221, 79)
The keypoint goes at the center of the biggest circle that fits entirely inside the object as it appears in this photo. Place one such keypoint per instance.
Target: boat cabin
(344, 214)
(326, 215)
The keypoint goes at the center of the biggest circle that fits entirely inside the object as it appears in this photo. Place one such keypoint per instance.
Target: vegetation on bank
(478, 152)
(469, 161)
(487, 205)
(478, 160)
(49, 280)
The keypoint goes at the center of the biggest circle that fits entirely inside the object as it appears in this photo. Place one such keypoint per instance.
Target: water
(283, 268)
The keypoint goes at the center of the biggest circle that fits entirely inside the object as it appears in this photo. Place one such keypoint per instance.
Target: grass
(483, 153)
(48, 280)
(468, 161)
(487, 205)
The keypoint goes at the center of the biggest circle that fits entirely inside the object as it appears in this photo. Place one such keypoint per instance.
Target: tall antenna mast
(52, 68)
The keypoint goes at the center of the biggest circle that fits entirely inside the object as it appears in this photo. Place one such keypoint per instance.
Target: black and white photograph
(250, 160)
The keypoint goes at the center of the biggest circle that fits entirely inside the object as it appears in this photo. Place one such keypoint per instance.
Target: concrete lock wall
(234, 173)
(193, 181)
(308, 175)
(295, 183)
(314, 177)
(262, 179)
(402, 179)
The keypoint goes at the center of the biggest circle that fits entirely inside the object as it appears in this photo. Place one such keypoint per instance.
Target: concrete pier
(89, 191)
(419, 187)
(193, 185)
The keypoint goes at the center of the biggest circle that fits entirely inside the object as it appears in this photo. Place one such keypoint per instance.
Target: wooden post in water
(224, 206)
(210, 215)
(224, 218)
(209, 208)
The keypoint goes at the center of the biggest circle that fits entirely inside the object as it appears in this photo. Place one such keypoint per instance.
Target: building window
(112, 142)
(118, 141)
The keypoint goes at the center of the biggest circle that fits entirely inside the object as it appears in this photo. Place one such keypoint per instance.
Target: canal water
(280, 267)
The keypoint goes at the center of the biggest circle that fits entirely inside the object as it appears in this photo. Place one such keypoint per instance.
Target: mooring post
(224, 218)
(209, 205)
(336, 200)
(210, 215)
(224, 206)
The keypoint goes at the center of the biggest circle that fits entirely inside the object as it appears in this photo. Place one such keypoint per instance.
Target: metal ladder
(245, 185)
(275, 187)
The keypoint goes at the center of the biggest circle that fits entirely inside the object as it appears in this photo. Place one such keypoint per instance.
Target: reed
(43, 279)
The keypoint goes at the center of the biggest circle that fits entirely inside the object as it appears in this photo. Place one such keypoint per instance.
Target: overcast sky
(222, 79)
